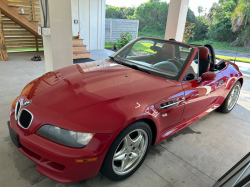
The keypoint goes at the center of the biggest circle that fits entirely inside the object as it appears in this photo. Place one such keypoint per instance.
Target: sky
(193, 4)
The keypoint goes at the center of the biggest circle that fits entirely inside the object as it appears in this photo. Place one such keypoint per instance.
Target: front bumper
(58, 162)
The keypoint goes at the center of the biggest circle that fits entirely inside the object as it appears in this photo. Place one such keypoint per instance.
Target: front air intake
(25, 119)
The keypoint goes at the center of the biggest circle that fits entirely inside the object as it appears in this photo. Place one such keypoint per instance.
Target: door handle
(171, 103)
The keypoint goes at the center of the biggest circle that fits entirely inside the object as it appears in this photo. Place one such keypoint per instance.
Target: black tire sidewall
(107, 169)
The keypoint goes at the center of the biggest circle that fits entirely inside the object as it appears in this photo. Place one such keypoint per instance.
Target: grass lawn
(109, 45)
(152, 34)
(232, 58)
(220, 45)
(21, 50)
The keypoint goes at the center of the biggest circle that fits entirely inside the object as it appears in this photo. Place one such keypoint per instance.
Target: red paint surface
(102, 98)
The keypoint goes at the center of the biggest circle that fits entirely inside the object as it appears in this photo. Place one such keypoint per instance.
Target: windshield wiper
(129, 65)
(114, 60)
(138, 68)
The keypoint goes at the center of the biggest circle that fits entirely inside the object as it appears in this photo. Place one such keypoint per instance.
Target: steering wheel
(167, 66)
(176, 63)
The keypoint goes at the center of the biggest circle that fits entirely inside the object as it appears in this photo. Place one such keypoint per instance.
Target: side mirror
(208, 76)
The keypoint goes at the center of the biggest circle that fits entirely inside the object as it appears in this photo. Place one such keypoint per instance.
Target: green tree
(220, 18)
(191, 16)
(200, 10)
(120, 12)
(129, 13)
(241, 23)
(114, 12)
(201, 28)
(152, 15)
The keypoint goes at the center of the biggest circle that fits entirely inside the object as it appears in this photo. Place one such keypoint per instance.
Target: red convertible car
(105, 115)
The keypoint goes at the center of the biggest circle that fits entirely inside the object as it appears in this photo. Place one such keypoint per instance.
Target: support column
(177, 15)
(37, 48)
(58, 52)
(33, 10)
(3, 50)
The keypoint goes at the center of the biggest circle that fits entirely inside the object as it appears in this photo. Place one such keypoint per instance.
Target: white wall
(91, 22)
(58, 46)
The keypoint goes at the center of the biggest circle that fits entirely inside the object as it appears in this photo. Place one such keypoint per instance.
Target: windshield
(167, 59)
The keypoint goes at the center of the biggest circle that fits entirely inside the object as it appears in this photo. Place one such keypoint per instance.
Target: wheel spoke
(119, 157)
(138, 140)
(128, 141)
(134, 155)
(125, 163)
(133, 158)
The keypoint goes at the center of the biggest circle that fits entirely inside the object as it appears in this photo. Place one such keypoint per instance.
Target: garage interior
(196, 156)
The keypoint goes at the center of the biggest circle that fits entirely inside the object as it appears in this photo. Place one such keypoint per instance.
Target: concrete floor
(196, 156)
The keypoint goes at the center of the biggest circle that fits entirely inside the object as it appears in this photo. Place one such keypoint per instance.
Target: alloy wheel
(233, 97)
(130, 152)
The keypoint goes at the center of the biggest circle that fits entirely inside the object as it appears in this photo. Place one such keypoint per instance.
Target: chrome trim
(17, 112)
(20, 116)
(175, 103)
(167, 106)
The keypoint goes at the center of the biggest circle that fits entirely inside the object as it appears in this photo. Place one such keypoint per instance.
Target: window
(193, 70)
(156, 55)
(142, 48)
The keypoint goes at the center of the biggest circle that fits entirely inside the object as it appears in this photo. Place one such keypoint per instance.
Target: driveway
(195, 157)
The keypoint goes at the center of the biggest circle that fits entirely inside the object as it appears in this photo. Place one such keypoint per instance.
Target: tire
(231, 100)
(122, 159)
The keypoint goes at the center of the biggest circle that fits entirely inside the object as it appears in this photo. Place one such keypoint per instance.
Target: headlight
(65, 137)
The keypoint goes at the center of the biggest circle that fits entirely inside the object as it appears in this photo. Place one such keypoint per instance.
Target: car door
(170, 106)
(200, 96)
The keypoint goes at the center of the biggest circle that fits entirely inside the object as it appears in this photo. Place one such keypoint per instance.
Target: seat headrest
(168, 49)
(203, 53)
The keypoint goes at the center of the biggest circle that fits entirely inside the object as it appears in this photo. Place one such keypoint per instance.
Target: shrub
(125, 38)
(188, 32)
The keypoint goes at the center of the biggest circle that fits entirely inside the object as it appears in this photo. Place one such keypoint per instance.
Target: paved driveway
(196, 156)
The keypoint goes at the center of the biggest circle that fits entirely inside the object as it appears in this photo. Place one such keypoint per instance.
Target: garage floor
(196, 156)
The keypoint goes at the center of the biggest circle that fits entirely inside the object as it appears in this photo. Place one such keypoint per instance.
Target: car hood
(87, 85)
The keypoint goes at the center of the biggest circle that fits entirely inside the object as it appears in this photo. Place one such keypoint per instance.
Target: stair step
(79, 47)
(23, 14)
(12, 12)
(77, 52)
(33, 21)
(81, 54)
(14, 6)
(77, 41)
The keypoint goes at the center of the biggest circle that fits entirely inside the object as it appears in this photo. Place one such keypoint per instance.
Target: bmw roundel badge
(27, 103)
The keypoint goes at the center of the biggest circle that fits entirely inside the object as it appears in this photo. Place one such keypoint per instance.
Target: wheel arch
(152, 126)
(241, 81)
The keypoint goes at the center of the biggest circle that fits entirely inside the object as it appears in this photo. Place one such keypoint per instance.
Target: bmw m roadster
(105, 115)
